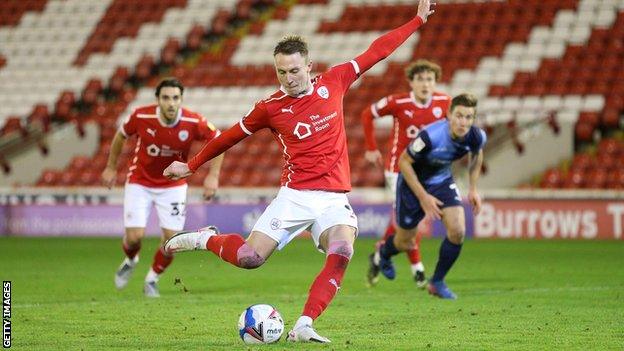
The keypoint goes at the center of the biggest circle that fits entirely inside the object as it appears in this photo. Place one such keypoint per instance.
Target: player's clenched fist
(425, 9)
(177, 170)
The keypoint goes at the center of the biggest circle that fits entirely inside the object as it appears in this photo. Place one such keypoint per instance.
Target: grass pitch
(513, 295)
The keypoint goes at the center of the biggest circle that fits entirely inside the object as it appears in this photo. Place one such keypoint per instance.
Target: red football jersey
(310, 129)
(409, 118)
(159, 144)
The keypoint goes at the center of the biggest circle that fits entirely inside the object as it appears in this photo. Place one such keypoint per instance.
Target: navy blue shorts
(408, 210)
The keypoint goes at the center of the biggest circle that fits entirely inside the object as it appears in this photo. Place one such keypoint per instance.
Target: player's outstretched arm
(474, 171)
(383, 46)
(109, 175)
(217, 146)
(429, 203)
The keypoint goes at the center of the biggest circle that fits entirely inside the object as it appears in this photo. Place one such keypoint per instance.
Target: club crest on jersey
(437, 111)
(183, 135)
(323, 92)
(275, 224)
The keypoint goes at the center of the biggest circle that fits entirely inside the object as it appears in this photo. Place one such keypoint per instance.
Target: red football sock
(414, 254)
(161, 261)
(131, 250)
(326, 285)
(226, 246)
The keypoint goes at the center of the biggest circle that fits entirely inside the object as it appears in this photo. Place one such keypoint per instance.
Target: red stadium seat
(596, 178)
(584, 132)
(574, 179)
(615, 179)
(552, 179)
(610, 146)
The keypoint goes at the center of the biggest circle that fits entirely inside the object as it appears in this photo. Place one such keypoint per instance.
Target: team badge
(275, 224)
(437, 112)
(323, 92)
(183, 135)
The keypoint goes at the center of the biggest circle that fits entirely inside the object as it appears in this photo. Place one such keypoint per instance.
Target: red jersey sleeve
(345, 73)
(129, 126)
(207, 130)
(376, 110)
(383, 46)
(255, 120)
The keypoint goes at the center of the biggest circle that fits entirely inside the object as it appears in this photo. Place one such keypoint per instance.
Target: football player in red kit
(411, 111)
(306, 118)
(165, 132)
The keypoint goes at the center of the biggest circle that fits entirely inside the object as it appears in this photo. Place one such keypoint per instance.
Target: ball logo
(323, 92)
(276, 224)
(183, 135)
(437, 112)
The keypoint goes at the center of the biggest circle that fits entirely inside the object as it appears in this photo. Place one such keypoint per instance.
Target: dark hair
(467, 100)
(291, 44)
(169, 82)
(420, 66)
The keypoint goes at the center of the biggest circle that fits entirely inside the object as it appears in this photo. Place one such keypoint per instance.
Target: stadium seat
(615, 179)
(574, 179)
(596, 178)
(584, 132)
(552, 179)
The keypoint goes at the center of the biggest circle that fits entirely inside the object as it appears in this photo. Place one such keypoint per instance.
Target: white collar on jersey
(419, 105)
(307, 93)
(162, 123)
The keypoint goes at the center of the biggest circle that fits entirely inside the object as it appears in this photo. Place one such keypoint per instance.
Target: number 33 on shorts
(178, 209)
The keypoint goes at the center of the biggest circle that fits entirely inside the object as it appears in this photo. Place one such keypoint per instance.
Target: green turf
(516, 295)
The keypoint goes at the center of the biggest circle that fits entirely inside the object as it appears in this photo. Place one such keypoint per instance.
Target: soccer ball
(260, 324)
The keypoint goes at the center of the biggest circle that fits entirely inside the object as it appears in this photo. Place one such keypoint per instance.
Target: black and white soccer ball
(260, 324)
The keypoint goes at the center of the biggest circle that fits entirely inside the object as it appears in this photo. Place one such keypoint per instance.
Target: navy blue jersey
(434, 150)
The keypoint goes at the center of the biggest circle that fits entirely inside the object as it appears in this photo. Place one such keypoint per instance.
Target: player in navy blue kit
(425, 188)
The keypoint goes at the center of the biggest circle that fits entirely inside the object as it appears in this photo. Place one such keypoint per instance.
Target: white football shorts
(293, 211)
(170, 206)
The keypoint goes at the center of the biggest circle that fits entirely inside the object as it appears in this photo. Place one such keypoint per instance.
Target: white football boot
(190, 240)
(150, 289)
(306, 333)
(124, 272)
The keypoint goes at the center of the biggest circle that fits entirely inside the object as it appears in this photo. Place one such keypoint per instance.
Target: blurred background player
(426, 188)
(306, 118)
(411, 112)
(165, 133)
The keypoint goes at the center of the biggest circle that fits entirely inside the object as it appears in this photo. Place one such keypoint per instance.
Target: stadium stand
(544, 62)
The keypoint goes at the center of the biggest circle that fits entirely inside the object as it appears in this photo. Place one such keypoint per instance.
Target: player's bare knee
(248, 258)
(133, 237)
(456, 237)
(340, 247)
